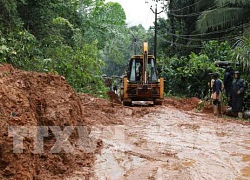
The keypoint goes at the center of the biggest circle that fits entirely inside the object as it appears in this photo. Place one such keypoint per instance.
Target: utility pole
(155, 38)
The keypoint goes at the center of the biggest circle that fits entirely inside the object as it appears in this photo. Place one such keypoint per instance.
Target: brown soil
(113, 97)
(204, 107)
(191, 104)
(186, 104)
(38, 99)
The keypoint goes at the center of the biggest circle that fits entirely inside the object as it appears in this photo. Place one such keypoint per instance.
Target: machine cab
(138, 71)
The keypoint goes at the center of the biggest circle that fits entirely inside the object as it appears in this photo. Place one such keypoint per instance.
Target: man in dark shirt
(228, 80)
(237, 94)
(216, 94)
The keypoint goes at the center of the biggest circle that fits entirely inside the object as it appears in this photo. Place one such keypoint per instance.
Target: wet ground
(173, 144)
(139, 142)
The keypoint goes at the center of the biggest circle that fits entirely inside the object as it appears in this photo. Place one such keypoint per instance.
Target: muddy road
(173, 144)
(139, 142)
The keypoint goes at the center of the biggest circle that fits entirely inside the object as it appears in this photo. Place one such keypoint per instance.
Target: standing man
(217, 86)
(228, 81)
(237, 94)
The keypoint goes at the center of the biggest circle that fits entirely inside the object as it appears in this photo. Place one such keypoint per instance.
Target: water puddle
(189, 162)
(246, 171)
(246, 158)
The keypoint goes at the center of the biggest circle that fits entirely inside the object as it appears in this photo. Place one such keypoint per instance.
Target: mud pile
(186, 104)
(110, 112)
(99, 111)
(191, 104)
(113, 97)
(197, 105)
(32, 99)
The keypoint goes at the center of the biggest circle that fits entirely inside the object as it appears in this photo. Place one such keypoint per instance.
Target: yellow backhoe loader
(142, 82)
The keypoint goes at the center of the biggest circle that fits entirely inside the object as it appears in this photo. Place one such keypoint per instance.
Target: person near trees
(227, 81)
(217, 86)
(237, 94)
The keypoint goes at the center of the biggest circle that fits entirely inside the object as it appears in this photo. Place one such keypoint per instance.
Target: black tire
(126, 103)
(158, 102)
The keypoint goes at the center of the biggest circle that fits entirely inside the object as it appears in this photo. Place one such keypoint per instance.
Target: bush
(188, 76)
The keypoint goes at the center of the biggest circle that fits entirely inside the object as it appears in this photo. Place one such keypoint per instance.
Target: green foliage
(218, 51)
(21, 50)
(51, 36)
(9, 19)
(80, 66)
(215, 18)
(81, 40)
(104, 22)
(121, 47)
(227, 13)
(190, 75)
(196, 74)
(242, 51)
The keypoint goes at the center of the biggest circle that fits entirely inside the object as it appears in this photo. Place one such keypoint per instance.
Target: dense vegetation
(63, 37)
(200, 32)
(83, 40)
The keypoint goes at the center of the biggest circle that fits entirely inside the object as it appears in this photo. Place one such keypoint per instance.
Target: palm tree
(242, 50)
(225, 14)
(137, 36)
(232, 15)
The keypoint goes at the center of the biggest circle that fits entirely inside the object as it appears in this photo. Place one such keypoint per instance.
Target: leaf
(4, 48)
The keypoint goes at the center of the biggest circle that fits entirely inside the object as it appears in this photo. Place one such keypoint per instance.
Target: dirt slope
(38, 99)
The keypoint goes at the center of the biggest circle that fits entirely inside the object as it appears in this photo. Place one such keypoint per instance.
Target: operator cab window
(151, 70)
(135, 70)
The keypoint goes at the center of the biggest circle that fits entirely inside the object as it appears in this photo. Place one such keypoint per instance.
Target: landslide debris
(32, 99)
(113, 97)
(38, 99)
(186, 104)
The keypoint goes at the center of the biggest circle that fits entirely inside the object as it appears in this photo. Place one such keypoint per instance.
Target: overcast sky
(138, 12)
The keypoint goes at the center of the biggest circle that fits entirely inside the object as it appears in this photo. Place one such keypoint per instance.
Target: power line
(151, 19)
(197, 13)
(184, 45)
(146, 22)
(185, 15)
(204, 39)
(175, 10)
(213, 32)
(196, 46)
(181, 45)
(203, 34)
